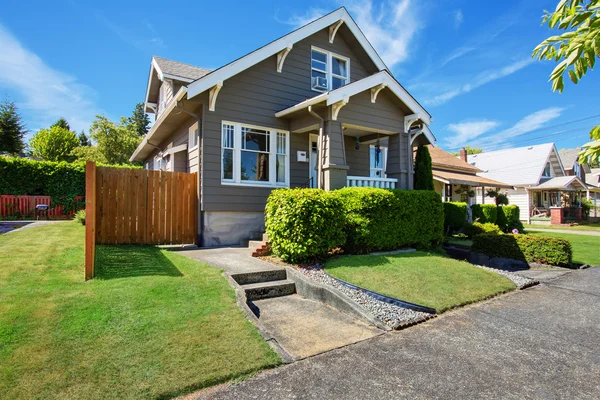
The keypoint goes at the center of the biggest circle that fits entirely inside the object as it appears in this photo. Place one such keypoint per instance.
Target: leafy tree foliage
(423, 174)
(88, 153)
(575, 50)
(84, 141)
(115, 141)
(61, 123)
(12, 129)
(470, 150)
(139, 120)
(54, 144)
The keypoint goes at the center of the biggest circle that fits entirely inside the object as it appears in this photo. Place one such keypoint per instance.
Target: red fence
(18, 207)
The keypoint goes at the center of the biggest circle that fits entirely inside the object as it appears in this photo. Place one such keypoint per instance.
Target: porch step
(262, 251)
(260, 276)
(255, 244)
(265, 290)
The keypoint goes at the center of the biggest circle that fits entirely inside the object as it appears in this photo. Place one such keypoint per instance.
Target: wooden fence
(135, 206)
(17, 207)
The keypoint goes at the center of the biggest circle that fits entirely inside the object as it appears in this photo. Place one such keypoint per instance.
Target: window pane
(337, 82)
(339, 67)
(319, 65)
(255, 166)
(281, 143)
(280, 168)
(255, 139)
(318, 56)
(227, 164)
(228, 136)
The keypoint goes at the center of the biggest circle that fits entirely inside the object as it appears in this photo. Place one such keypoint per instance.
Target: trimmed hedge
(455, 215)
(508, 217)
(477, 228)
(529, 248)
(484, 213)
(303, 223)
(380, 219)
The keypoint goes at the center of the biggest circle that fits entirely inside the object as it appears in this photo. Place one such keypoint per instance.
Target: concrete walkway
(537, 343)
(29, 224)
(234, 260)
(588, 233)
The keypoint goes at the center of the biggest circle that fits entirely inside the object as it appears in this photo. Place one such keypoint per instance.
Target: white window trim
(237, 157)
(193, 134)
(549, 165)
(329, 66)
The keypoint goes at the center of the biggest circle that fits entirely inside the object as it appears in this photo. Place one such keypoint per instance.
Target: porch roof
(458, 178)
(565, 183)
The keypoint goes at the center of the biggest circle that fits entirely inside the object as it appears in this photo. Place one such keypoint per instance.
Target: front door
(314, 154)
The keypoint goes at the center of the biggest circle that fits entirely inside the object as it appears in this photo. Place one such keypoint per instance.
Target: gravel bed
(390, 314)
(519, 280)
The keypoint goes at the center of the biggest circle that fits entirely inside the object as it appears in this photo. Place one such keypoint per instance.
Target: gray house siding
(358, 160)
(382, 115)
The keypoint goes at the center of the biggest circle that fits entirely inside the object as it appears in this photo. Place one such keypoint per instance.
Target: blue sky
(469, 63)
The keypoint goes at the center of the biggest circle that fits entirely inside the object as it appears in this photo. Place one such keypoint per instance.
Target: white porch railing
(366, 181)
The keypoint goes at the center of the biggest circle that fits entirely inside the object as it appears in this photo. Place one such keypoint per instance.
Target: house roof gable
(569, 157)
(445, 160)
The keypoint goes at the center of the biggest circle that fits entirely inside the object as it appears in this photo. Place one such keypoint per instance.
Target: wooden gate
(135, 206)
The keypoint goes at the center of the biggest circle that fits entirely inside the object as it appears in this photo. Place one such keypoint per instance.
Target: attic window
(329, 71)
(547, 171)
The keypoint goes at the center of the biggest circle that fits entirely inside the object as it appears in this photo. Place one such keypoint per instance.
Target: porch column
(335, 170)
(400, 160)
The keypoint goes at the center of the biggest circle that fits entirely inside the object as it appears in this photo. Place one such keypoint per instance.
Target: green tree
(470, 150)
(84, 141)
(88, 153)
(139, 120)
(575, 50)
(61, 123)
(12, 129)
(423, 174)
(116, 141)
(53, 144)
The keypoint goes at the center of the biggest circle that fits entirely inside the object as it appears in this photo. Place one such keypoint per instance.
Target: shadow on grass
(132, 261)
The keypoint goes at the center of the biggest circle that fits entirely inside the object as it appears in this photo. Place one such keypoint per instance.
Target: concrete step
(265, 237)
(266, 290)
(260, 276)
(255, 244)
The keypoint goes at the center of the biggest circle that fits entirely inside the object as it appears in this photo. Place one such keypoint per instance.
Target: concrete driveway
(542, 342)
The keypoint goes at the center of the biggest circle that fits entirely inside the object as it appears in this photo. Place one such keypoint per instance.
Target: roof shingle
(182, 70)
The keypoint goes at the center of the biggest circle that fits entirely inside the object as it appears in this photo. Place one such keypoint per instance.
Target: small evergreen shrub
(303, 224)
(484, 213)
(477, 228)
(423, 178)
(80, 217)
(528, 248)
(455, 215)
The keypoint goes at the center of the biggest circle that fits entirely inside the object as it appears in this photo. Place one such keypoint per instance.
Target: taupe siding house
(315, 108)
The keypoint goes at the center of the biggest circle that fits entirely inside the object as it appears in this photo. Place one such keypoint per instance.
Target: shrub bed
(508, 218)
(484, 213)
(379, 219)
(477, 228)
(303, 223)
(455, 215)
(529, 248)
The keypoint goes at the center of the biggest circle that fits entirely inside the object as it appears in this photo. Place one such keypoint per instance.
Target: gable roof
(563, 183)
(521, 166)
(219, 75)
(569, 157)
(445, 160)
(176, 70)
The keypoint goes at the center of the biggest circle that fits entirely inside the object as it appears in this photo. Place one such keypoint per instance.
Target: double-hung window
(329, 71)
(253, 155)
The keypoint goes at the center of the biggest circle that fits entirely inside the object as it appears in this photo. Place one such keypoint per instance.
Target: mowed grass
(593, 227)
(586, 248)
(153, 324)
(419, 277)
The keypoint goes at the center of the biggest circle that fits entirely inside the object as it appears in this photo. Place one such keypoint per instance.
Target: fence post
(90, 218)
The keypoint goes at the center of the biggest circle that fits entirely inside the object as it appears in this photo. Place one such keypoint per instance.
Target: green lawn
(422, 278)
(586, 249)
(581, 227)
(154, 324)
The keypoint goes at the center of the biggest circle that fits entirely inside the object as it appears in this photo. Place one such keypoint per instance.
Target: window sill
(260, 185)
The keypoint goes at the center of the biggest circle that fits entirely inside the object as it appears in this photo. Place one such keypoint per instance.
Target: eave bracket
(375, 91)
(333, 30)
(212, 95)
(336, 107)
(281, 57)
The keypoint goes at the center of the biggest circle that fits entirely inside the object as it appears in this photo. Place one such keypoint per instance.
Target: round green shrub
(303, 224)
(455, 215)
(484, 213)
(477, 228)
(508, 217)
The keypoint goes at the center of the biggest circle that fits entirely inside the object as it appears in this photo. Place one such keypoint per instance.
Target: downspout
(319, 146)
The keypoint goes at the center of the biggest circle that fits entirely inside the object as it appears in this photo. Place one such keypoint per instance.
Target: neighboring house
(456, 180)
(569, 159)
(314, 108)
(539, 179)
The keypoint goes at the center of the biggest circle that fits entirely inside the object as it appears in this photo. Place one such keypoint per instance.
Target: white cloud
(467, 131)
(136, 39)
(43, 94)
(458, 18)
(480, 80)
(390, 27)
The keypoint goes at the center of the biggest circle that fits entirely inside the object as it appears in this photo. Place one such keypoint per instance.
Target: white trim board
(206, 82)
